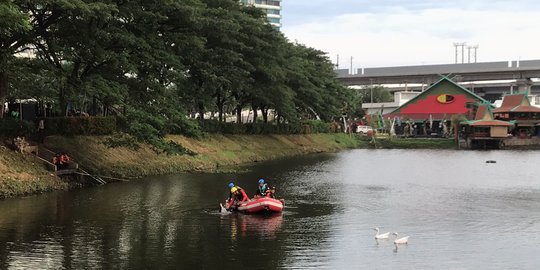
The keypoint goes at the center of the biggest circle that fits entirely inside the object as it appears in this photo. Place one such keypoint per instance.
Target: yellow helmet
(234, 189)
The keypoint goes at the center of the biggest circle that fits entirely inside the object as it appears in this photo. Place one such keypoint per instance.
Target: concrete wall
(342, 72)
(444, 69)
(499, 132)
(438, 69)
(527, 64)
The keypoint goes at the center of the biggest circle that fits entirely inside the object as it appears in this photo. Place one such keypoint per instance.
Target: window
(268, 2)
(273, 11)
(274, 20)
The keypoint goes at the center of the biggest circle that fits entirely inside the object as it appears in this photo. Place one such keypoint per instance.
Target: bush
(214, 126)
(70, 126)
(318, 126)
(187, 127)
(11, 127)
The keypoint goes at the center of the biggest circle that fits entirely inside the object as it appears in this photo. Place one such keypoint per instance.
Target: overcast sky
(414, 32)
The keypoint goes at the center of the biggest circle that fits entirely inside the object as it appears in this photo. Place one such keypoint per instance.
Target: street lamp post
(371, 90)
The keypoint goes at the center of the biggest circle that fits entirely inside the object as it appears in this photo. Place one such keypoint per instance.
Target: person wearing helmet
(237, 195)
(262, 189)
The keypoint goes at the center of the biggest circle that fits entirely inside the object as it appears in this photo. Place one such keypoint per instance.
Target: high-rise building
(272, 8)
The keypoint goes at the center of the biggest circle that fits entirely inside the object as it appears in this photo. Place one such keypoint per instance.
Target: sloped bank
(213, 153)
(24, 174)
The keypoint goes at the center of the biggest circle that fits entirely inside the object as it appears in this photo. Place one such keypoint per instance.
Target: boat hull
(261, 205)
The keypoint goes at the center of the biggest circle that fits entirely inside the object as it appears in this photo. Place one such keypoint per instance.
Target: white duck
(381, 236)
(403, 240)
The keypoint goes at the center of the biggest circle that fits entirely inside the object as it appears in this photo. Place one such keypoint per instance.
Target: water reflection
(462, 215)
(264, 227)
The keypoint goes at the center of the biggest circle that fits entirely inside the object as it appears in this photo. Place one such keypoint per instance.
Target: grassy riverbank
(213, 153)
(24, 174)
(416, 143)
(217, 152)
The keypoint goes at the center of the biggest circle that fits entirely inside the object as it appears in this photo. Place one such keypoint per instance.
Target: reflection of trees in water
(148, 225)
(74, 230)
(19, 224)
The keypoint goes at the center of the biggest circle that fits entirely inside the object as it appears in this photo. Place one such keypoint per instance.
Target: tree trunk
(220, 104)
(239, 114)
(201, 111)
(94, 106)
(62, 100)
(3, 91)
(255, 113)
(265, 114)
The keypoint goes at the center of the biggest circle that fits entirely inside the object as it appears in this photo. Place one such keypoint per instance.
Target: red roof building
(518, 108)
(518, 103)
(439, 102)
(485, 126)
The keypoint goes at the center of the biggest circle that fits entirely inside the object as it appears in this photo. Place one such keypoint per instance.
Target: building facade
(272, 8)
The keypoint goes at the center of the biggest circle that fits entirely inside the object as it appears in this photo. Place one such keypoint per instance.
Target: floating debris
(491, 161)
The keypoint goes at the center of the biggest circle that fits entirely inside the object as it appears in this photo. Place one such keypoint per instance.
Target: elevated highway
(427, 74)
(490, 80)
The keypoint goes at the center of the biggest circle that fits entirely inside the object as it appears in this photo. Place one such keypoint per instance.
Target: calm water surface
(460, 212)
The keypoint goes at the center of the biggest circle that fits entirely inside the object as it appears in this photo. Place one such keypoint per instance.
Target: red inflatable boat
(261, 205)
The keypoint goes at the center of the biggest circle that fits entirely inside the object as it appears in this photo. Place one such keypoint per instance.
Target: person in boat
(262, 189)
(237, 195)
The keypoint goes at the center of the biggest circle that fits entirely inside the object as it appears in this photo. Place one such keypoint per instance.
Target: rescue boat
(261, 205)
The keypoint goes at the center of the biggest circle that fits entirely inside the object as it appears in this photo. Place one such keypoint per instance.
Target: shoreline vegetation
(24, 174)
(94, 83)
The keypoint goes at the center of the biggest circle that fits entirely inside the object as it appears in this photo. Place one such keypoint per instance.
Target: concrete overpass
(481, 77)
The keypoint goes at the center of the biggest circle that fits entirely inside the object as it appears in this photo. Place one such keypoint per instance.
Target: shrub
(318, 126)
(70, 126)
(11, 127)
(308, 127)
(187, 127)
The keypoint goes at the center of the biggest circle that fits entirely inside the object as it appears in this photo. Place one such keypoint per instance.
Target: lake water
(459, 211)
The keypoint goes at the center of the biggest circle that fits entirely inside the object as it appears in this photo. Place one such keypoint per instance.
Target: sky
(414, 32)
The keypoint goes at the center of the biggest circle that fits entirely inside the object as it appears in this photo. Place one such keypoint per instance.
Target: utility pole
(371, 90)
(337, 62)
(469, 54)
(463, 52)
(457, 45)
(352, 72)
(475, 47)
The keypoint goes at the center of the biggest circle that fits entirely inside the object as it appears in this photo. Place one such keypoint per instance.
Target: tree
(311, 77)
(14, 29)
(380, 94)
(153, 62)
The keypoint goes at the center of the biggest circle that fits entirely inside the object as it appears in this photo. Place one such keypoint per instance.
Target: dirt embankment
(213, 153)
(22, 174)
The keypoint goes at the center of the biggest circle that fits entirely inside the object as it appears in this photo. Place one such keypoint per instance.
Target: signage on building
(445, 99)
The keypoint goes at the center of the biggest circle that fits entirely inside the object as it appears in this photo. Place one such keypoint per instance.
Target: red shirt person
(237, 196)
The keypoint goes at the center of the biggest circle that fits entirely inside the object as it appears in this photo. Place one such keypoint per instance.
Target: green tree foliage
(155, 63)
(14, 28)
(380, 94)
(363, 95)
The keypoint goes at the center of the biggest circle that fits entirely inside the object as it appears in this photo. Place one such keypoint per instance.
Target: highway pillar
(524, 85)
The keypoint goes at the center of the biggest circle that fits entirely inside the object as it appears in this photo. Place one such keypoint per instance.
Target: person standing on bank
(41, 130)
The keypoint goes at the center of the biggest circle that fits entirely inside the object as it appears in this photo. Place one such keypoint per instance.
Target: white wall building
(400, 98)
(272, 8)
